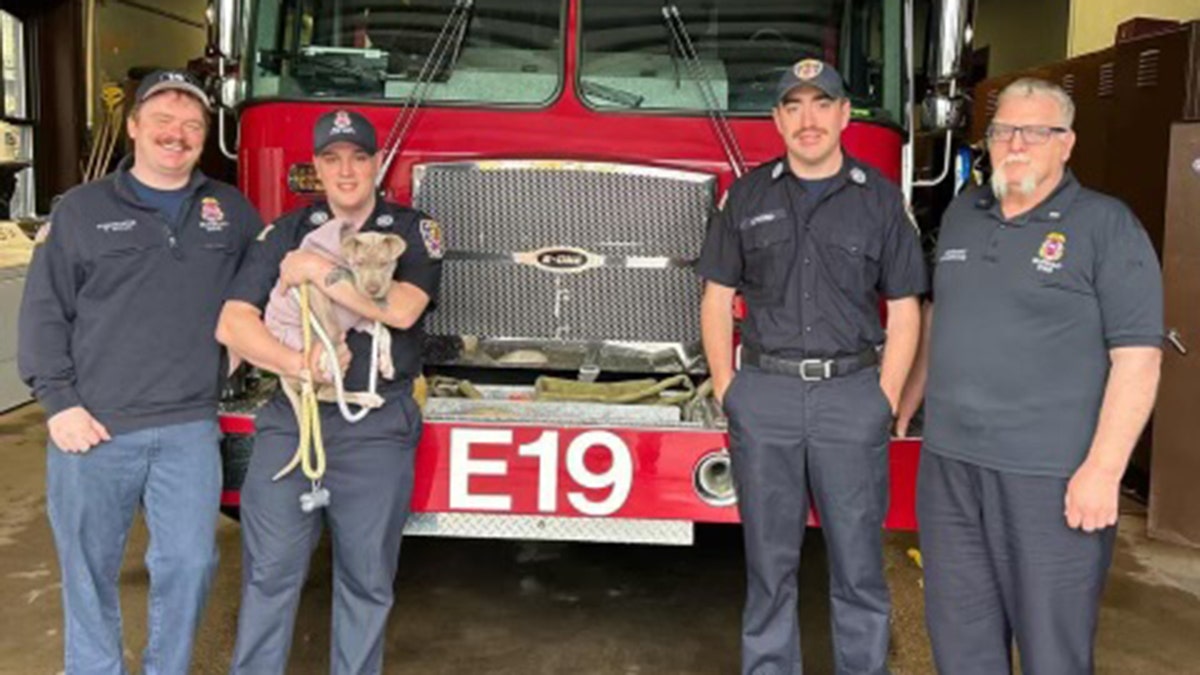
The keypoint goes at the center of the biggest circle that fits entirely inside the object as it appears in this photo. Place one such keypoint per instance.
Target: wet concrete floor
(512, 608)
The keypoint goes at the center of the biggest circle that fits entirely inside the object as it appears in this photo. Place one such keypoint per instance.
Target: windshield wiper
(618, 96)
(683, 41)
(449, 43)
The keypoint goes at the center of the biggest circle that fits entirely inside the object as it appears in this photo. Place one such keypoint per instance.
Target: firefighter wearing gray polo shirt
(1043, 363)
(812, 240)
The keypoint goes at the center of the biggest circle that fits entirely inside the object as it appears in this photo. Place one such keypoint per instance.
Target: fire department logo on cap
(808, 69)
(341, 123)
(1051, 253)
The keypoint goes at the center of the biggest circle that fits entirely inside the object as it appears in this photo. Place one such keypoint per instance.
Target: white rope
(373, 382)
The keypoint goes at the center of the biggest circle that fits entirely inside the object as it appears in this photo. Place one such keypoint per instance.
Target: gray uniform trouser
(369, 476)
(1000, 562)
(790, 441)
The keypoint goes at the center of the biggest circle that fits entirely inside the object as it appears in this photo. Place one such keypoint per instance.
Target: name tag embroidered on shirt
(117, 226)
(953, 255)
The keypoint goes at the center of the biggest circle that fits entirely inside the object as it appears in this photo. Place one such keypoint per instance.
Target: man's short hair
(1030, 86)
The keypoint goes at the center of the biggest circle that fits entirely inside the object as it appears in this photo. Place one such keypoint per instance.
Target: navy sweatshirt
(120, 305)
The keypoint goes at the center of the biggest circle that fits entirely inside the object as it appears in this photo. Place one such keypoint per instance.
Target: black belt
(811, 370)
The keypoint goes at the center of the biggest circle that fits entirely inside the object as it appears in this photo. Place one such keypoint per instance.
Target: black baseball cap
(344, 126)
(811, 73)
(168, 80)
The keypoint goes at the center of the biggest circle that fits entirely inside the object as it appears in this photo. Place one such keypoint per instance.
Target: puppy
(372, 258)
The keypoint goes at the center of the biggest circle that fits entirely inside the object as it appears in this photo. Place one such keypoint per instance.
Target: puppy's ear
(351, 246)
(394, 246)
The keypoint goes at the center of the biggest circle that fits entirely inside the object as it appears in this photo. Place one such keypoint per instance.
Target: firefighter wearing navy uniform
(813, 241)
(370, 463)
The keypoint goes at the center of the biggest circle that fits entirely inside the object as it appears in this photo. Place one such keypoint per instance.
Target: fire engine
(573, 151)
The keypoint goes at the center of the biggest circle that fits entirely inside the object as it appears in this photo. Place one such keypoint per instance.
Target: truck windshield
(632, 60)
(502, 52)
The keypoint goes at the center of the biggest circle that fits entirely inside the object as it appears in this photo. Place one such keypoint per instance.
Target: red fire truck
(573, 151)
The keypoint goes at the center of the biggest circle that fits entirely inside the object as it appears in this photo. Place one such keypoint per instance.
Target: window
(631, 58)
(505, 51)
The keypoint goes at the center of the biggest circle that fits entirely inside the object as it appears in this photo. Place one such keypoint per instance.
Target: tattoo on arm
(337, 274)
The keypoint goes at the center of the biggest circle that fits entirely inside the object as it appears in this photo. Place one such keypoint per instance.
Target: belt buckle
(825, 373)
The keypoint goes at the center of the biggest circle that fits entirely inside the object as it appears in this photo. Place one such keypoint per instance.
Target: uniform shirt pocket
(768, 246)
(852, 262)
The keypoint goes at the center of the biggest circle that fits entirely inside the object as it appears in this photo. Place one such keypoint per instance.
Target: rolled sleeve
(1129, 287)
(721, 257)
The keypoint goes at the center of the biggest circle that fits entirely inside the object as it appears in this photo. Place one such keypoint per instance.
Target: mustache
(810, 130)
(1015, 159)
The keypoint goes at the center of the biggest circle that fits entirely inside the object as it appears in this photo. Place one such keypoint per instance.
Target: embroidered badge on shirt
(431, 233)
(318, 218)
(385, 220)
(212, 217)
(1051, 253)
(953, 255)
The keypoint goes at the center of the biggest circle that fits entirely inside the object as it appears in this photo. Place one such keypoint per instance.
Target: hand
(318, 365)
(1092, 498)
(903, 419)
(75, 430)
(720, 386)
(299, 267)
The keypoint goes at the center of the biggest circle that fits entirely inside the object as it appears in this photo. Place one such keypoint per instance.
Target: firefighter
(1043, 364)
(116, 341)
(812, 240)
(370, 463)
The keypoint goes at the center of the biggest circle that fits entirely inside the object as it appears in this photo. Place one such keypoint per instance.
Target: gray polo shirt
(1026, 312)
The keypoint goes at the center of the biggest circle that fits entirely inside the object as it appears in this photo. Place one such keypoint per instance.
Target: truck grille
(636, 231)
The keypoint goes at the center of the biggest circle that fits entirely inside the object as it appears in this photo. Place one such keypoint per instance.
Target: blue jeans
(174, 473)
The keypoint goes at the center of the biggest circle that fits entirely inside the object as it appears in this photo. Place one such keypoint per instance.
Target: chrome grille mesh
(604, 209)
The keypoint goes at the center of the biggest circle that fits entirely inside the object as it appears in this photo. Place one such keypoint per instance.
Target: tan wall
(1093, 24)
(1022, 33)
(128, 37)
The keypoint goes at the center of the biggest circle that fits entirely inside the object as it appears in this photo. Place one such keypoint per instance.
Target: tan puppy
(370, 260)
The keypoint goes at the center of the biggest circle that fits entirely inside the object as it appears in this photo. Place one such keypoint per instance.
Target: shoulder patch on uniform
(318, 218)
(385, 220)
(858, 176)
(431, 233)
(262, 235)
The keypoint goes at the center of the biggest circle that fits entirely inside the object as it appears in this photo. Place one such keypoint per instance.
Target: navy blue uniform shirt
(812, 268)
(421, 266)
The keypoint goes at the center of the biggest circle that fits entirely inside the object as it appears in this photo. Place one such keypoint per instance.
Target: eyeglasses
(1032, 134)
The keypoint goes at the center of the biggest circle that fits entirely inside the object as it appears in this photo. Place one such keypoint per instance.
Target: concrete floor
(499, 607)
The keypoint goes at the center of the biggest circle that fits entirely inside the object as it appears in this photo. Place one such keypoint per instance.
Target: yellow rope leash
(310, 454)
